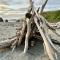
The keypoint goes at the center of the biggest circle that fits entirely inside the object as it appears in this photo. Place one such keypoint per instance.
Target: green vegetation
(52, 16)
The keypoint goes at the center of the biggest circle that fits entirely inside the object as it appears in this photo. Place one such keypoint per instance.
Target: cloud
(17, 7)
(12, 7)
(4, 7)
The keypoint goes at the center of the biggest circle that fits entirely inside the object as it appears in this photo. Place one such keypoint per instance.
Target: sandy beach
(8, 30)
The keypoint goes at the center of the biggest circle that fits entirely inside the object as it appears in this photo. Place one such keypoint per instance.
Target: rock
(18, 21)
(6, 20)
(1, 19)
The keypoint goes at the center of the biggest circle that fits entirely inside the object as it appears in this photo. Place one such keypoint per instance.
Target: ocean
(14, 9)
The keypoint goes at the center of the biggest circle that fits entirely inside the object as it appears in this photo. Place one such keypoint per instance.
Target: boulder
(1, 19)
(6, 20)
(18, 21)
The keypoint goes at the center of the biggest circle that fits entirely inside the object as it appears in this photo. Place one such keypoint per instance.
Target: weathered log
(6, 43)
(47, 43)
(27, 35)
(43, 20)
(46, 28)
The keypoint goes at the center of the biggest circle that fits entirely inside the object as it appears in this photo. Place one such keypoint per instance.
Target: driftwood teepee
(34, 25)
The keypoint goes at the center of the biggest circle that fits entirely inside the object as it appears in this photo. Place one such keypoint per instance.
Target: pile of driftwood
(35, 26)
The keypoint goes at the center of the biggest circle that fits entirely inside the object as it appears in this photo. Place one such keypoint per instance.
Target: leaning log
(46, 28)
(49, 49)
(27, 35)
(43, 6)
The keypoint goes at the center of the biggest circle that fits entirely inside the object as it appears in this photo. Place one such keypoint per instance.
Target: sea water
(16, 9)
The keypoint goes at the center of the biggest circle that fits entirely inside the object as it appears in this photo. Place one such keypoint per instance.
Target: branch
(22, 32)
(43, 6)
(38, 9)
(27, 35)
(46, 28)
(7, 43)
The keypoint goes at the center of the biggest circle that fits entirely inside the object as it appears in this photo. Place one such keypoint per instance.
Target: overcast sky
(16, 7)
(14, 4)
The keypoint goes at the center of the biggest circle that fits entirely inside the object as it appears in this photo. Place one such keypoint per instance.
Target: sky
(17, 8)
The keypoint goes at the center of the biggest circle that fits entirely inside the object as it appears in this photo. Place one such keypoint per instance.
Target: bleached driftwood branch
(27, 35)
(7, 43)
(49, 48)
(43, 6)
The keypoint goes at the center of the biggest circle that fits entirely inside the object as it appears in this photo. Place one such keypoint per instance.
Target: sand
(35, 53)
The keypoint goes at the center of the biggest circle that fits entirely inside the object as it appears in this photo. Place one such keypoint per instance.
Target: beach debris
(35, 26)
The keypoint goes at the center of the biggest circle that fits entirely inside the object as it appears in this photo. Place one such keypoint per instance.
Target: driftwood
(49, 48)
(27, 35)
(6, 43)
(34, 25)
(43, 6)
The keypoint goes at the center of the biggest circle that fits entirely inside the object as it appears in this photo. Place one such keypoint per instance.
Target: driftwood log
(34, 25)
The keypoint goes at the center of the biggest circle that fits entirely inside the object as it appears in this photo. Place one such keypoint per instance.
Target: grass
(52, 16)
